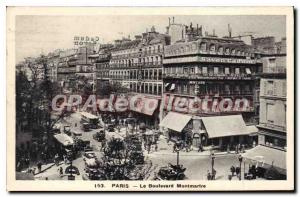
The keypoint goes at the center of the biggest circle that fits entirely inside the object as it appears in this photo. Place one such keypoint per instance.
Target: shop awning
(267, 157)
(223, 126)
(175, 121)
(64, 139)
(172, 86)
(253, 130)
(248, 71)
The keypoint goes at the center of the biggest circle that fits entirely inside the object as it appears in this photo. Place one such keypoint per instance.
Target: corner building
(220, 69)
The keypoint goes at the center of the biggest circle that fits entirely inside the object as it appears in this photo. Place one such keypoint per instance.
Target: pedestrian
(232, 169)
(236, 149)
(239, 148)
(208, 175)
(228, 148)
(156, 147)
(237, 171)
(213, 174)
(254, 143)
(174, 148)
(149, 147)
(200, 147)
(39, 165)
(243, 148)
(56, 159)
(61, 171)
(65, 159)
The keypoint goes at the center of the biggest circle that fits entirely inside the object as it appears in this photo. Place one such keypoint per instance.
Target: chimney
(229, 31)
(173, 19)
(200, 31)
(206, 33)
(169, 21)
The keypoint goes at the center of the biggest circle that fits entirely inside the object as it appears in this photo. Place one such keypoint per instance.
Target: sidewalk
(165, 148)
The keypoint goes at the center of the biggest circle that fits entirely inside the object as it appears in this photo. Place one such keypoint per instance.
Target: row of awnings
(215, 126)
(170, 86)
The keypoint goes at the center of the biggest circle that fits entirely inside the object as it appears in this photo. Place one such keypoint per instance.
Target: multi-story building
(220, 70)
(75, 66)
(137, 65)
(272, 122)
(102, 65)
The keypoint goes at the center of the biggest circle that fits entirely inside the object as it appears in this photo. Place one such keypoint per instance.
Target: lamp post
(212, 164)
(240, 160)
(177, 149)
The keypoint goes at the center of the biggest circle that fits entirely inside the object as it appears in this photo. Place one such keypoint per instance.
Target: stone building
(272, 122)
(218, 71)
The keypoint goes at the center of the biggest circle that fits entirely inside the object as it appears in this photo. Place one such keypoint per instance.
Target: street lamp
(240, 160)
(212, 164)
(177, 149)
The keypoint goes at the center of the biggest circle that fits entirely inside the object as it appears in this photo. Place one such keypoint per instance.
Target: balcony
(209, 76)
(276, 69)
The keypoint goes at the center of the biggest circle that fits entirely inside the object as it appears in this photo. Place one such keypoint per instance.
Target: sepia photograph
(150, 99)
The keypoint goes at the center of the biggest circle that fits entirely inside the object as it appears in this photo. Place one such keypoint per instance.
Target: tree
(34, 94)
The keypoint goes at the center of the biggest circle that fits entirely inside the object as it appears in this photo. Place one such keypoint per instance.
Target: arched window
(227, 51)
(187, 48)
(203, 46)
(212, 48)
(220, 50)
(233, 52)
(194, 46)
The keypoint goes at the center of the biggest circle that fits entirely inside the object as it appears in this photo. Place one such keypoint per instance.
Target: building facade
(219, 72)
(272, 122)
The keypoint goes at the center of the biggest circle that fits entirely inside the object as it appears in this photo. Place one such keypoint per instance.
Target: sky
(42, 34)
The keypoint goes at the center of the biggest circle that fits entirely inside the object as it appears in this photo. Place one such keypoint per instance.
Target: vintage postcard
(150, 98)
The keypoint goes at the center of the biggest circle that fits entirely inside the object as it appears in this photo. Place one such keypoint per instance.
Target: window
(203, 47)
(272, 62)
(185, 88)
(227, 71)
(185, 70)
(212, 48)
(159, 89)
(269, 88)
(237, 71)
(220, 50)
(271, 113)
(192, 70)
(216, 70)
(159, 74)
(204, 70)
(227, 89)
(227, 51)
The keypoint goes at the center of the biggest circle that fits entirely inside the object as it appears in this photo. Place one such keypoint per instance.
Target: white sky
(37, 34)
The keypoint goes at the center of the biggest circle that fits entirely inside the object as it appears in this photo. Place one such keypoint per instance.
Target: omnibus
(91, 119)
